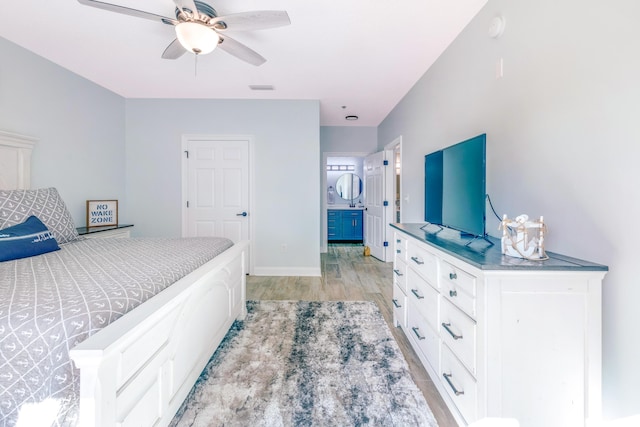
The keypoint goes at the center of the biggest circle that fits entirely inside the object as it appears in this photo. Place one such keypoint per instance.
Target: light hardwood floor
(347, 275)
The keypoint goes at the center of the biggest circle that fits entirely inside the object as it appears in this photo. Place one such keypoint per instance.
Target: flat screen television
(433, 187)
(455, 186)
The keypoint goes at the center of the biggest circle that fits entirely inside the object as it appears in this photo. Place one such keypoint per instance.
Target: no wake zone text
(100, 215)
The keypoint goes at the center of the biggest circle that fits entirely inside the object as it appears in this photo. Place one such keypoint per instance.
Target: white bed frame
(138, 370)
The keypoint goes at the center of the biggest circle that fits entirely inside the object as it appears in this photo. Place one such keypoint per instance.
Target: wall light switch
(499, 68)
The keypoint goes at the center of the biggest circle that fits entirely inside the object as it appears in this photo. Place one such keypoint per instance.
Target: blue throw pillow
(30, 238)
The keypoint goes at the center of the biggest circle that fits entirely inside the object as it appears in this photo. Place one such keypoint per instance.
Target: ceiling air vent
(261, 87)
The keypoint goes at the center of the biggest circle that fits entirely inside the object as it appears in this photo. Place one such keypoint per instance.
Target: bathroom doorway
(341, 162)
(396, 147)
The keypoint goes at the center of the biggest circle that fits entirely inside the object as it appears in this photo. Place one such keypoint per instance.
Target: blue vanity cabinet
(334, 225)
(352, 225)
(345, 225)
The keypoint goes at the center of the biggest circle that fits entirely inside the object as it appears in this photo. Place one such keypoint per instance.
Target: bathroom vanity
(345, 221)
(344, 225)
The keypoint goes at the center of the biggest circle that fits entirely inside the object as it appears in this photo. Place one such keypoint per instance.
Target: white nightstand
(107, 232)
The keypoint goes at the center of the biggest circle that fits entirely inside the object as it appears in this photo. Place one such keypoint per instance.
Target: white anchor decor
(522, 238)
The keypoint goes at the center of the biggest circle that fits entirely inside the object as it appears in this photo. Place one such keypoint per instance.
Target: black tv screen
(461, 189)
(433, 182)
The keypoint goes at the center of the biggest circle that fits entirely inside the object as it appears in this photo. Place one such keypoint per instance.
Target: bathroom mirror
(349, 186)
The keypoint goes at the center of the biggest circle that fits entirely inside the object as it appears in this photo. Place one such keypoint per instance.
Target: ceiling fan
(200, 30)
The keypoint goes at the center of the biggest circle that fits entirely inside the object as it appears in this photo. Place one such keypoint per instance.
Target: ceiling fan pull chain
(195, 68)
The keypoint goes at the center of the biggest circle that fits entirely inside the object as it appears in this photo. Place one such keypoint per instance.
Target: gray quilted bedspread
(51, 302)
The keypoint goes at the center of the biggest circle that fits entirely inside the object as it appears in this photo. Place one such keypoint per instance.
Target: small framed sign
(101, 213)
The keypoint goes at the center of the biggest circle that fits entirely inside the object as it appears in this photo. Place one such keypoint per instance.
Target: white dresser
(500, 336)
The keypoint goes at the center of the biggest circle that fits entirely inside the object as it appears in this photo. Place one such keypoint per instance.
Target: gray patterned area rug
(301, 363)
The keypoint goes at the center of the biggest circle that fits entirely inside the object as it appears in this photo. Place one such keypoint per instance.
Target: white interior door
(375, 221)
(216, 188)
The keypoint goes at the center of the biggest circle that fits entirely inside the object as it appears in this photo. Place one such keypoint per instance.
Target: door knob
(242, 214)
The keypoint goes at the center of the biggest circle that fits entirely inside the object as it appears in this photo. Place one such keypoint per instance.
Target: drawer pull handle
(453, 276)
(446, 326)
(416, 260)
(415, 292)
(455, 390)
(395, 302)
(398, 251)
(417, 332)
(453, 294)
(397, 272)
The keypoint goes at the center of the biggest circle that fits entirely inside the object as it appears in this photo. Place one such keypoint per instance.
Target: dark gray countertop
(89, 230)
(482, 255)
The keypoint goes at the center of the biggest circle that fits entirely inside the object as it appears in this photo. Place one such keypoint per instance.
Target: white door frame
(391, 175)
(323, 193)
(252, 209)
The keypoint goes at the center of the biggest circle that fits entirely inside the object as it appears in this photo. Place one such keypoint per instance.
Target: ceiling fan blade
(128, 11)
(255, 20)
(187, 4)
(174, 50)
(240, 51)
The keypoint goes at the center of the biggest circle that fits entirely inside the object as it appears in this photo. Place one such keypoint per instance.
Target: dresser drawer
(424, 262)
(400, 274)
(460, 385)
(424, 297)
(399, 302)
(424, 338)
(458, 332)
(400, 246)
(459, 287)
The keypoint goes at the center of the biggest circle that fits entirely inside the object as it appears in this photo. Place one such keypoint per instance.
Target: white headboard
(15, 161)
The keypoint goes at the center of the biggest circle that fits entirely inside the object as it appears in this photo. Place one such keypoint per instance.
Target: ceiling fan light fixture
(196, 37)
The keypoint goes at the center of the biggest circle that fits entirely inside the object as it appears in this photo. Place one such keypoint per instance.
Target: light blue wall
(562, 141)
(287, 171)
(348, 139)
(80, 127)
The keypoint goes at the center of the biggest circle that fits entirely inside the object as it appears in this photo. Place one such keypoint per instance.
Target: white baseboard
(287, 271)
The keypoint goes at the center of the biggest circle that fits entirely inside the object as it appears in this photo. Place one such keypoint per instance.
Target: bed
(157, 310)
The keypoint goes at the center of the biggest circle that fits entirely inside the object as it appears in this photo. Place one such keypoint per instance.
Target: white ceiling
(364, 55)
